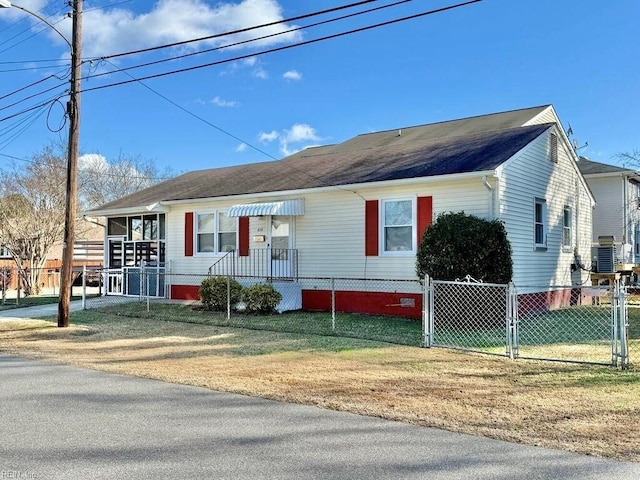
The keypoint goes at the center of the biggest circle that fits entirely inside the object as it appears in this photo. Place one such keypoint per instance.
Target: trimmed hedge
(456, 245)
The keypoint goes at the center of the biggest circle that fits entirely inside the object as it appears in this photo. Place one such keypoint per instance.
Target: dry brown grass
(587, 409)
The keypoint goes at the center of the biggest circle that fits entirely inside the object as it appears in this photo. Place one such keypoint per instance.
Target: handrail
(221, 259)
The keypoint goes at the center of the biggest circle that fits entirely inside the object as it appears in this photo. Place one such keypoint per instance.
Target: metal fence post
(333, 303)
(228, 298)
(4, 286)
(148, 280)
(425, 310)
(513, 339)
(84, 287)
(623, 327)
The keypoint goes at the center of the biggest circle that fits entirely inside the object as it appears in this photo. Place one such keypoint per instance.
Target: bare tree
(630, 160)
(32, 202)
(102, 181)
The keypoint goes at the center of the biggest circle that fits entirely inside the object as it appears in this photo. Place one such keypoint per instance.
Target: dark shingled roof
(459, 146)
(589, 167)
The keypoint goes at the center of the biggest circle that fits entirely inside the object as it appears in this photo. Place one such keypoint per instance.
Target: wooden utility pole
(73, 111)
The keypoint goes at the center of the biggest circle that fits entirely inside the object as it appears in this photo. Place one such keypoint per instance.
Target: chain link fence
(599, 324)
(372, 309)
(575, 323)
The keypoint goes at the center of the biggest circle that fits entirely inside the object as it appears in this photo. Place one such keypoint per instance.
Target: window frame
(567, 228)
(215, 233)
(383, 226)
(4, 252)
(542, 222)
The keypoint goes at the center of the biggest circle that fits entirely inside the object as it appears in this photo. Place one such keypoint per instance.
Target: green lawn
(581, 333)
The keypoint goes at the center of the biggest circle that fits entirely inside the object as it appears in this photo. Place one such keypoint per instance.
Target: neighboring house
(88, 251)
(358, 209)
(617, 213)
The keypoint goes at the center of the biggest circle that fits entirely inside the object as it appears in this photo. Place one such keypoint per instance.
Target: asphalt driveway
(62, 422)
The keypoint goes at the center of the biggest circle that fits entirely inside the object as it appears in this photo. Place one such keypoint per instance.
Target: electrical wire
(197, 116)
(234, 32)
(285, 47)
(244, 42)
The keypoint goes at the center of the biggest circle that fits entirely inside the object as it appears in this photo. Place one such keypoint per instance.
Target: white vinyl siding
(340, 251)
(608, 213)
(530, 175)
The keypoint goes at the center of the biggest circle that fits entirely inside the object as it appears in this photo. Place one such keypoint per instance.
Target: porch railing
(271, 263)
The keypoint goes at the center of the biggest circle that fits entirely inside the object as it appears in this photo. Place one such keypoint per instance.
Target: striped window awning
(284, 207)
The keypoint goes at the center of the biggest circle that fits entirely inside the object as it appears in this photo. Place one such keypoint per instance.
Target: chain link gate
(561, 323)
(469, 315)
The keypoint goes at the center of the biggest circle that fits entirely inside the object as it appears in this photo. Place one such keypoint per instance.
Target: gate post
(427, 311)
(513, 337)
(623, 325)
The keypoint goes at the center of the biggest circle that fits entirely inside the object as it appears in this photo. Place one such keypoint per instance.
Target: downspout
(488, 186)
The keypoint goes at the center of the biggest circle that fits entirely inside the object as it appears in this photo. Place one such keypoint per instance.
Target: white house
(617, 213)
(357, 209)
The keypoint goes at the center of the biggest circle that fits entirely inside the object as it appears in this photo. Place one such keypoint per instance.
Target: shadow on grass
(368, 327)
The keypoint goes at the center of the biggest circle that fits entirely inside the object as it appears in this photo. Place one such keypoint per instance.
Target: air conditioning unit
(606, 259)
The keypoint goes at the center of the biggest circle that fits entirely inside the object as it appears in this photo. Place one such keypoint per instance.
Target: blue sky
(494, 55)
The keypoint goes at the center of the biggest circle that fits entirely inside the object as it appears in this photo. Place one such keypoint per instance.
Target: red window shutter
(188, 234)
(243, 236)
(425, 215)
(371, 228)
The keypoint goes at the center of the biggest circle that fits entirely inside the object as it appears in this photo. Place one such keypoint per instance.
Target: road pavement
(61, 422)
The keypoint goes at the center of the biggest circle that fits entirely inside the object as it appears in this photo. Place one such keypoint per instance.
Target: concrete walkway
(51, 309)
(60, 422)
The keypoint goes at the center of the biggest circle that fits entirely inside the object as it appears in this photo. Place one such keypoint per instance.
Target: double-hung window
(540, 223)
(4, 252)
(215, 233)
(398, 225)
(567, 227)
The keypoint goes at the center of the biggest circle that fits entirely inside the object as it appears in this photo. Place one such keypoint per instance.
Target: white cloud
(113, 30)
(268, 137)
(292, 75)
(219, 102)
(241, 148)
(291, 140)
(260, 73)
(93, 161)
(300, 132)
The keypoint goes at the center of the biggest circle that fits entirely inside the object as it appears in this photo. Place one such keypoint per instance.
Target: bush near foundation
(213, 293)
(456, 245)
(261, 298)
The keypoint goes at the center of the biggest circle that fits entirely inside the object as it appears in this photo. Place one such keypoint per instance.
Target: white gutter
(351, 188)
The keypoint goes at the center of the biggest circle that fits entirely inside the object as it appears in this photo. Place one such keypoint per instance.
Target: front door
(280, 243)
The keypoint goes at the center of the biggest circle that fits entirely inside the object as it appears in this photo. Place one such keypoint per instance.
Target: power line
(95, 172)
(243, 42)
(197, 116)
(234, 32)
(29, 86)
(286, 47)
